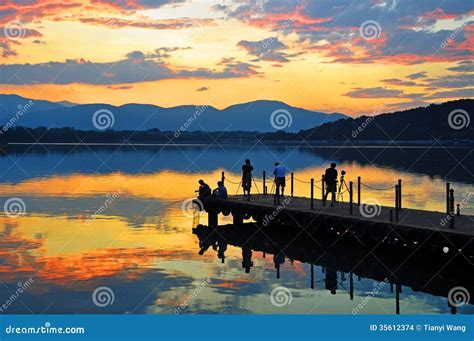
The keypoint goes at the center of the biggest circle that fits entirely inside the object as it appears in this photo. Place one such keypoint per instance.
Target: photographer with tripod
(330, 177)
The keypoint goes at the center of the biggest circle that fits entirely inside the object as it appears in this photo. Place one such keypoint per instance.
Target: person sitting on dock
(220, 192)
(330, 177)
(279, 172)
(204, 190)
(247, 169)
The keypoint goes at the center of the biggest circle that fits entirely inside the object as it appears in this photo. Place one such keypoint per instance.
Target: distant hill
(252, 116)
(448, 121)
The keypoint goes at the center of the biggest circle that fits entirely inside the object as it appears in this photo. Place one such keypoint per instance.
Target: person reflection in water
(247, 259)
(205, 244)
(222, 247)
(331, 280)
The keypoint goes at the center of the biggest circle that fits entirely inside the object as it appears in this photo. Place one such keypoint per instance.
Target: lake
(101, 229)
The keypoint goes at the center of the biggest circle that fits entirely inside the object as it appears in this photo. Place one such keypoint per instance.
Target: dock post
(212, 218)
(222, 177)
(264, 186)
(351, 197)
(391, 215)
(351, 287)
(312, 193)
(312, 276)
(396, 202)
(358, 191)
(292, 182)
(458, 210)
(278, 270)
(399, 194)
(322, 189)
(447, 197)
(451, 208)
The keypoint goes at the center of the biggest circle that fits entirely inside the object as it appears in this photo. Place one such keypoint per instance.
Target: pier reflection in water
(343, 265)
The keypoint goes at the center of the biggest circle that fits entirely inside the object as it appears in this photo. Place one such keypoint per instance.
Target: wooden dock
(369, 224)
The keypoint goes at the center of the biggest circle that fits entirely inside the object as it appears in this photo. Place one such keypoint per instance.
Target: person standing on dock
(330, 177)
(247, 169)
(279, 172)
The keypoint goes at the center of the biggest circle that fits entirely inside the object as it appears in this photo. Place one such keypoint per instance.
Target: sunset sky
(330, 55)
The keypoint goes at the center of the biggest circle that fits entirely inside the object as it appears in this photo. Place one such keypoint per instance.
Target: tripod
(342, 182)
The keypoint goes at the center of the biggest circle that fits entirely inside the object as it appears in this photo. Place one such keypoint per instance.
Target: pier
(367, 224)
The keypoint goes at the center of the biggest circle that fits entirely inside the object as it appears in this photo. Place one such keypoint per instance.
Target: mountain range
(261, 115)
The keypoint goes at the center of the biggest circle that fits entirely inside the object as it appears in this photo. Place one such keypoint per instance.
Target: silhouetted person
(330, 177)
(247, 169)
(330, 280)
(204, 190)
(279, 172)
(247, 259)
(220, 192)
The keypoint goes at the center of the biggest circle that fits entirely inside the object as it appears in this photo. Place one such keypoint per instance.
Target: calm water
(112, 217)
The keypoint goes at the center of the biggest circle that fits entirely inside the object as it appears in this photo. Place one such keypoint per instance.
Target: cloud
(409, 32)
(399, 82)
(202, 88)
(458, 93)
(269, 49)
(452, 81)
(136, 67)
(121, 87)
(377, 92)
(163, 24)
(464, 66)
(417, 75)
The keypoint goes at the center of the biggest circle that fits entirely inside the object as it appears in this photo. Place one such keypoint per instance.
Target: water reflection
(420, 269)
(141, 245)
